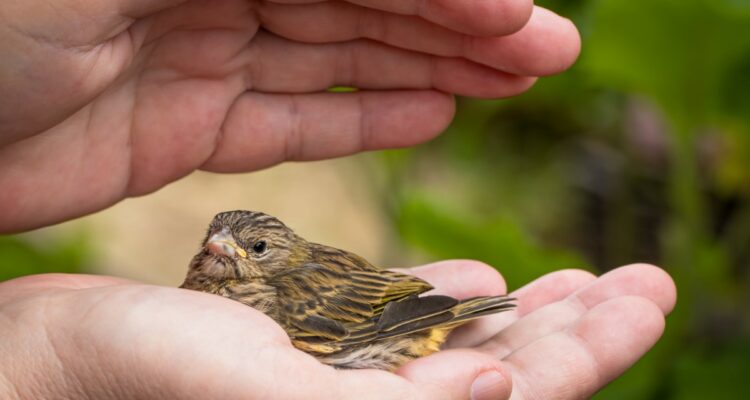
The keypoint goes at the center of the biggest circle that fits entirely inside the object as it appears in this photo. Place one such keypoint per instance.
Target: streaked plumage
(332, 303)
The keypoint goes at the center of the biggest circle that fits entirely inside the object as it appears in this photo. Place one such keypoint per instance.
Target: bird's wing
(320, 302)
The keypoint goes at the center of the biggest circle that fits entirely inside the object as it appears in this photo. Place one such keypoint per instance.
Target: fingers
(487, 17)
(576, 362)
(283, 66)
(548, 289)
(264, 129)
(546, 45)
(641, 280)
(461, 278)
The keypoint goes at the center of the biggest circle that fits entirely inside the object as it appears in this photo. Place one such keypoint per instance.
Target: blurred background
(640, 153)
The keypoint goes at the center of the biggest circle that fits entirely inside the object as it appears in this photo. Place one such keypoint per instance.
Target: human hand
(110, 99)
(101, 336)
(76, 336)
(571, 333)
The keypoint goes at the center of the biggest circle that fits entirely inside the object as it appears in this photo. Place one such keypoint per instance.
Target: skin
(102, 100)
(94, 337)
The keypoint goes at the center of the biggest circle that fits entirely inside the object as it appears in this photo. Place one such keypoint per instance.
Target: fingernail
(489, 385)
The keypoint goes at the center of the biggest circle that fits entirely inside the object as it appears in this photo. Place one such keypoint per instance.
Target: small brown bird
(333, 304)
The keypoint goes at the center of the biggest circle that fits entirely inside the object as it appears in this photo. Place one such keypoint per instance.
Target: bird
(332, 303)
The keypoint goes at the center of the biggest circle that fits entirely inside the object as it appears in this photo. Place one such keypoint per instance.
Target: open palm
(571, 334)
(112, 99)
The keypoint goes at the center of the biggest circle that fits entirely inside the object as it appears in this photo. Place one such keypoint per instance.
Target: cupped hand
(102, 100)
(97, 336)
(76, 336)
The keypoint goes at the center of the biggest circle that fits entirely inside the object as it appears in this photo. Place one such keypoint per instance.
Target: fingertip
(547, 45)
(568, 54)
(619, 331)
(644, 280)
(524, 84)
(564, 33)
(440, 107)
(656, 281)
(494, 84)
(651, 316)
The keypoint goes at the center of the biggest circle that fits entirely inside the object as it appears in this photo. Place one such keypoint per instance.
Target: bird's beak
(222, 243)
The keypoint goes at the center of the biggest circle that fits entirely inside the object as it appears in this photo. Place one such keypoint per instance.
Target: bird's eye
(259, 246)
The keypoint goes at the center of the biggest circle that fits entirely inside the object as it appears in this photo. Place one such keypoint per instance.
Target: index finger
(474, 17)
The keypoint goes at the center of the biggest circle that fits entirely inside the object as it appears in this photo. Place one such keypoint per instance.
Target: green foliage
(21, 256)
(714, 375)
(677, 52)
(497, 241)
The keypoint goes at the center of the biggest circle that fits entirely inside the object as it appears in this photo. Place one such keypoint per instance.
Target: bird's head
(245, 245)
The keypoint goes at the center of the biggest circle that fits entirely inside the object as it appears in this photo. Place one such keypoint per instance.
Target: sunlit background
(640, 153)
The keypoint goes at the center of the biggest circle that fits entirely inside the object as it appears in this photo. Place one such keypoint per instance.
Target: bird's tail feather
(477, 307)
(417, 314)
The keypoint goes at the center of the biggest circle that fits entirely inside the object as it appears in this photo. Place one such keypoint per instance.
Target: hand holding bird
(105, 333)
(333, 304)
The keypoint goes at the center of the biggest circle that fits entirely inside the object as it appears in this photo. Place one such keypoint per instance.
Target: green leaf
(674, 51)
(26, 255)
